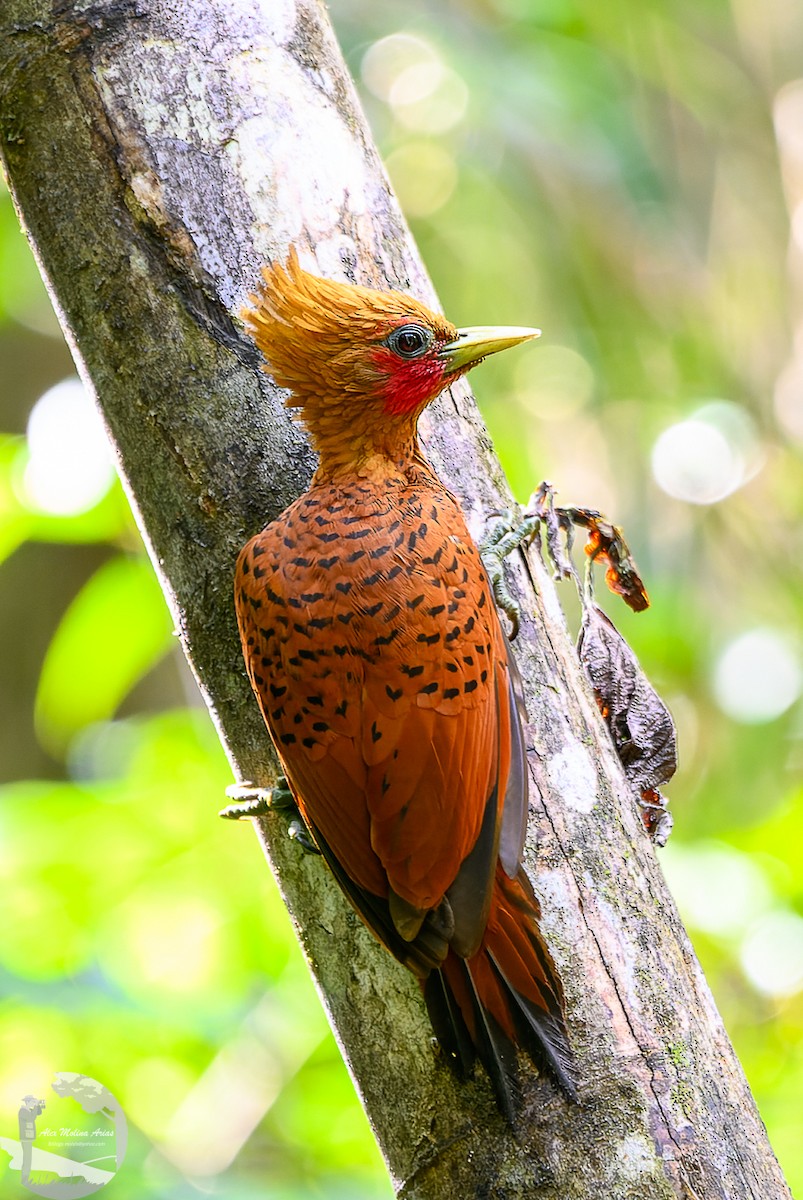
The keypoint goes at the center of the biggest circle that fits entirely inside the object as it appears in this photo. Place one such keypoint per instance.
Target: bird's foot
(299, 831)
(511, 531)
(605, 543)
(506, 535)
(251, 801)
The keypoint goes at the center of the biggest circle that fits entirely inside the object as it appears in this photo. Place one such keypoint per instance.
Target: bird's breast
(363, 588)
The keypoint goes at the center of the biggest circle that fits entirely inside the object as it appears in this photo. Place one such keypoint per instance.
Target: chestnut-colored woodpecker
(381, 668)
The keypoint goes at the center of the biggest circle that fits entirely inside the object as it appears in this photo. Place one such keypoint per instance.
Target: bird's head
(360, 364)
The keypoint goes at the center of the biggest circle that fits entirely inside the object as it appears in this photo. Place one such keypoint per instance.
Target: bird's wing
(394, 716)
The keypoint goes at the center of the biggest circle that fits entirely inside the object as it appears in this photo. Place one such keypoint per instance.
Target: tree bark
(158, 153)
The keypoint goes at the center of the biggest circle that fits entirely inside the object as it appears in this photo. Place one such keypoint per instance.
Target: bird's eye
(408, 341)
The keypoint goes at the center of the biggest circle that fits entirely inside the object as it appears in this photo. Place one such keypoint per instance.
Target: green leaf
(117, 628)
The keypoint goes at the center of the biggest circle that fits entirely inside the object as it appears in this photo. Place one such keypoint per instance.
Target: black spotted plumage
(362, 643)
(376, 654)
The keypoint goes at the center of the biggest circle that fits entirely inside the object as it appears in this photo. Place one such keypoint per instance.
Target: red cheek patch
(409, 384)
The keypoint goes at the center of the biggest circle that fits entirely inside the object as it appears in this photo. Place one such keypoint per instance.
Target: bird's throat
(376, 448)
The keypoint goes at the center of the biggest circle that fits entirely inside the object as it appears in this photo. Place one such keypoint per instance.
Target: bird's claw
(251, 801)
(605, 543)
(512, 531)
(299, 831)
(509, 532)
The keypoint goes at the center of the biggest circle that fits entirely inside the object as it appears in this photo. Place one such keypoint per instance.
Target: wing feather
(381, 669)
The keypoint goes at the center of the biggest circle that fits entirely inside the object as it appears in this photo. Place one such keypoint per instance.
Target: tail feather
(447, 1022)
(475, 1031)
(496, 1051)
(506, 995)
(544, 1037)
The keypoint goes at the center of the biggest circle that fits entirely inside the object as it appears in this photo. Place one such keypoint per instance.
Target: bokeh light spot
(173, 944)
(70, 468)
(407, 73)
(788, 399)
(719, 889)
(757, 677)
(772, 954)
(429, 98)
(424, 175)
(788, 117)
(416, 82)
(32, 1039)
(710, 455)
(691, 461)
(554, 382)
(155, 1087)
(387, 60)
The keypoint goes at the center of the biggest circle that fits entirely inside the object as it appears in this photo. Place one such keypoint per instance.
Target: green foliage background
(612, 173)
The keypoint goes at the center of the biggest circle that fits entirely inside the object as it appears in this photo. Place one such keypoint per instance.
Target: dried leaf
(606, 543)
(641, 725)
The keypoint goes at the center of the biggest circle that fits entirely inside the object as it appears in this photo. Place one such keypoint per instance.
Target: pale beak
(472, 345)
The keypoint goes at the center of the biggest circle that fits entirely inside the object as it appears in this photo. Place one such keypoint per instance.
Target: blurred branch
(156, 163)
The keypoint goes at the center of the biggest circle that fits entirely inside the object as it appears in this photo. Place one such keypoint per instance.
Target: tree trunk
(159, 153)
